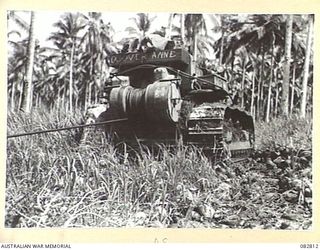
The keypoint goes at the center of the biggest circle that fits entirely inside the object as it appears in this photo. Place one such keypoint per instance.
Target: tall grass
(54, 181)
(294, 132)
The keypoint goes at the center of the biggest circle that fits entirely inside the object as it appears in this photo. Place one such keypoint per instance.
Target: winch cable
(67, 128)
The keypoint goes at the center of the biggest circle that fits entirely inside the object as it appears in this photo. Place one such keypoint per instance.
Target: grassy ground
(53, 181)
(293, 132)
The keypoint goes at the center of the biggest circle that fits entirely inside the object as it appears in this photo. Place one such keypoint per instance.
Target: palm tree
(67, 39)
(17, 61)
(259, 34)
(27, 90)
(21, 23)
(197, 29)
(306, 68)
(97, 47)
(256, 34)
(286, 73)
(139, 31)
(45, 84)
(267, 117)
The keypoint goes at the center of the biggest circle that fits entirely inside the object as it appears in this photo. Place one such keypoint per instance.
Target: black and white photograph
(159, 120)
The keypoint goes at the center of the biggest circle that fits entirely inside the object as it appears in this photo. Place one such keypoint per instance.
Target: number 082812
(309, 246)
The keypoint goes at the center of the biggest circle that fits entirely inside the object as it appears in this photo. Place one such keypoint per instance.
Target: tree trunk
(221, 47)
(37, 99)
(86, 95)
(276, 101)
(306, 69)
(96, 96)
(270, 92)
(182, 30)
(76, 102)
(64, 97)
(271, 107)
(292, 89)
(60, 96)
(252, 93)
(93, 95)
(71, 78)
(169, 28)
(13, 92)
(21, 94)
(195, 54)
(270, 83)
(89, 94)
(286, 70)
(242, 84)
(27, 89)
(260, 87)
(222, 40)
(258, 99)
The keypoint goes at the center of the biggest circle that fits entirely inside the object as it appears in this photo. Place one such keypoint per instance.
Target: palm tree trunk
(271, 107)
(242, 84)
(21, 92)
(182, 29)
(258, 99)
(292, 89)
(64, 97)
(93, 92)
(96, 96)
(221, 48)
(276, 101)
(169, 28)
(270, 92)
(89, 94)
(27, 90)
(13, 92)
(60, 96)
(37, 99)
(222, 40)
(260, 87)
(267, 117)
(306, 69)
(269, 87)
(71, 78)
(286, 73)
(76, 102)
(252, 93)
(86, 95)
(195, 54)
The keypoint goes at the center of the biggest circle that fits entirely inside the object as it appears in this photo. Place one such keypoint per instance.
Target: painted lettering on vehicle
(141, 57)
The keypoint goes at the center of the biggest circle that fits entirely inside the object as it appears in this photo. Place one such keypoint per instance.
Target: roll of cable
(135, 101)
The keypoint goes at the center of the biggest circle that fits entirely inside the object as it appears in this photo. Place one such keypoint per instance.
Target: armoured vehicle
(165, 102)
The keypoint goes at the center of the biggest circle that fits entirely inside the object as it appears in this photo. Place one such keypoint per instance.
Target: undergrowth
(292, 132)
(52, 180)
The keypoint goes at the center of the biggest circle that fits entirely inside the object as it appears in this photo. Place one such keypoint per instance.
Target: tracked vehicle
(165, 102)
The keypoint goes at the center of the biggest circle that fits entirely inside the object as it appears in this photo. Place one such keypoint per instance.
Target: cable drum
(135, 101)
(160, 101)
(127, 100)
(163, 101)
(118, 100)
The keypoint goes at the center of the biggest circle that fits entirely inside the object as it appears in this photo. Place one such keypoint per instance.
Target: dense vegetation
(267, 59)
(53, 180)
